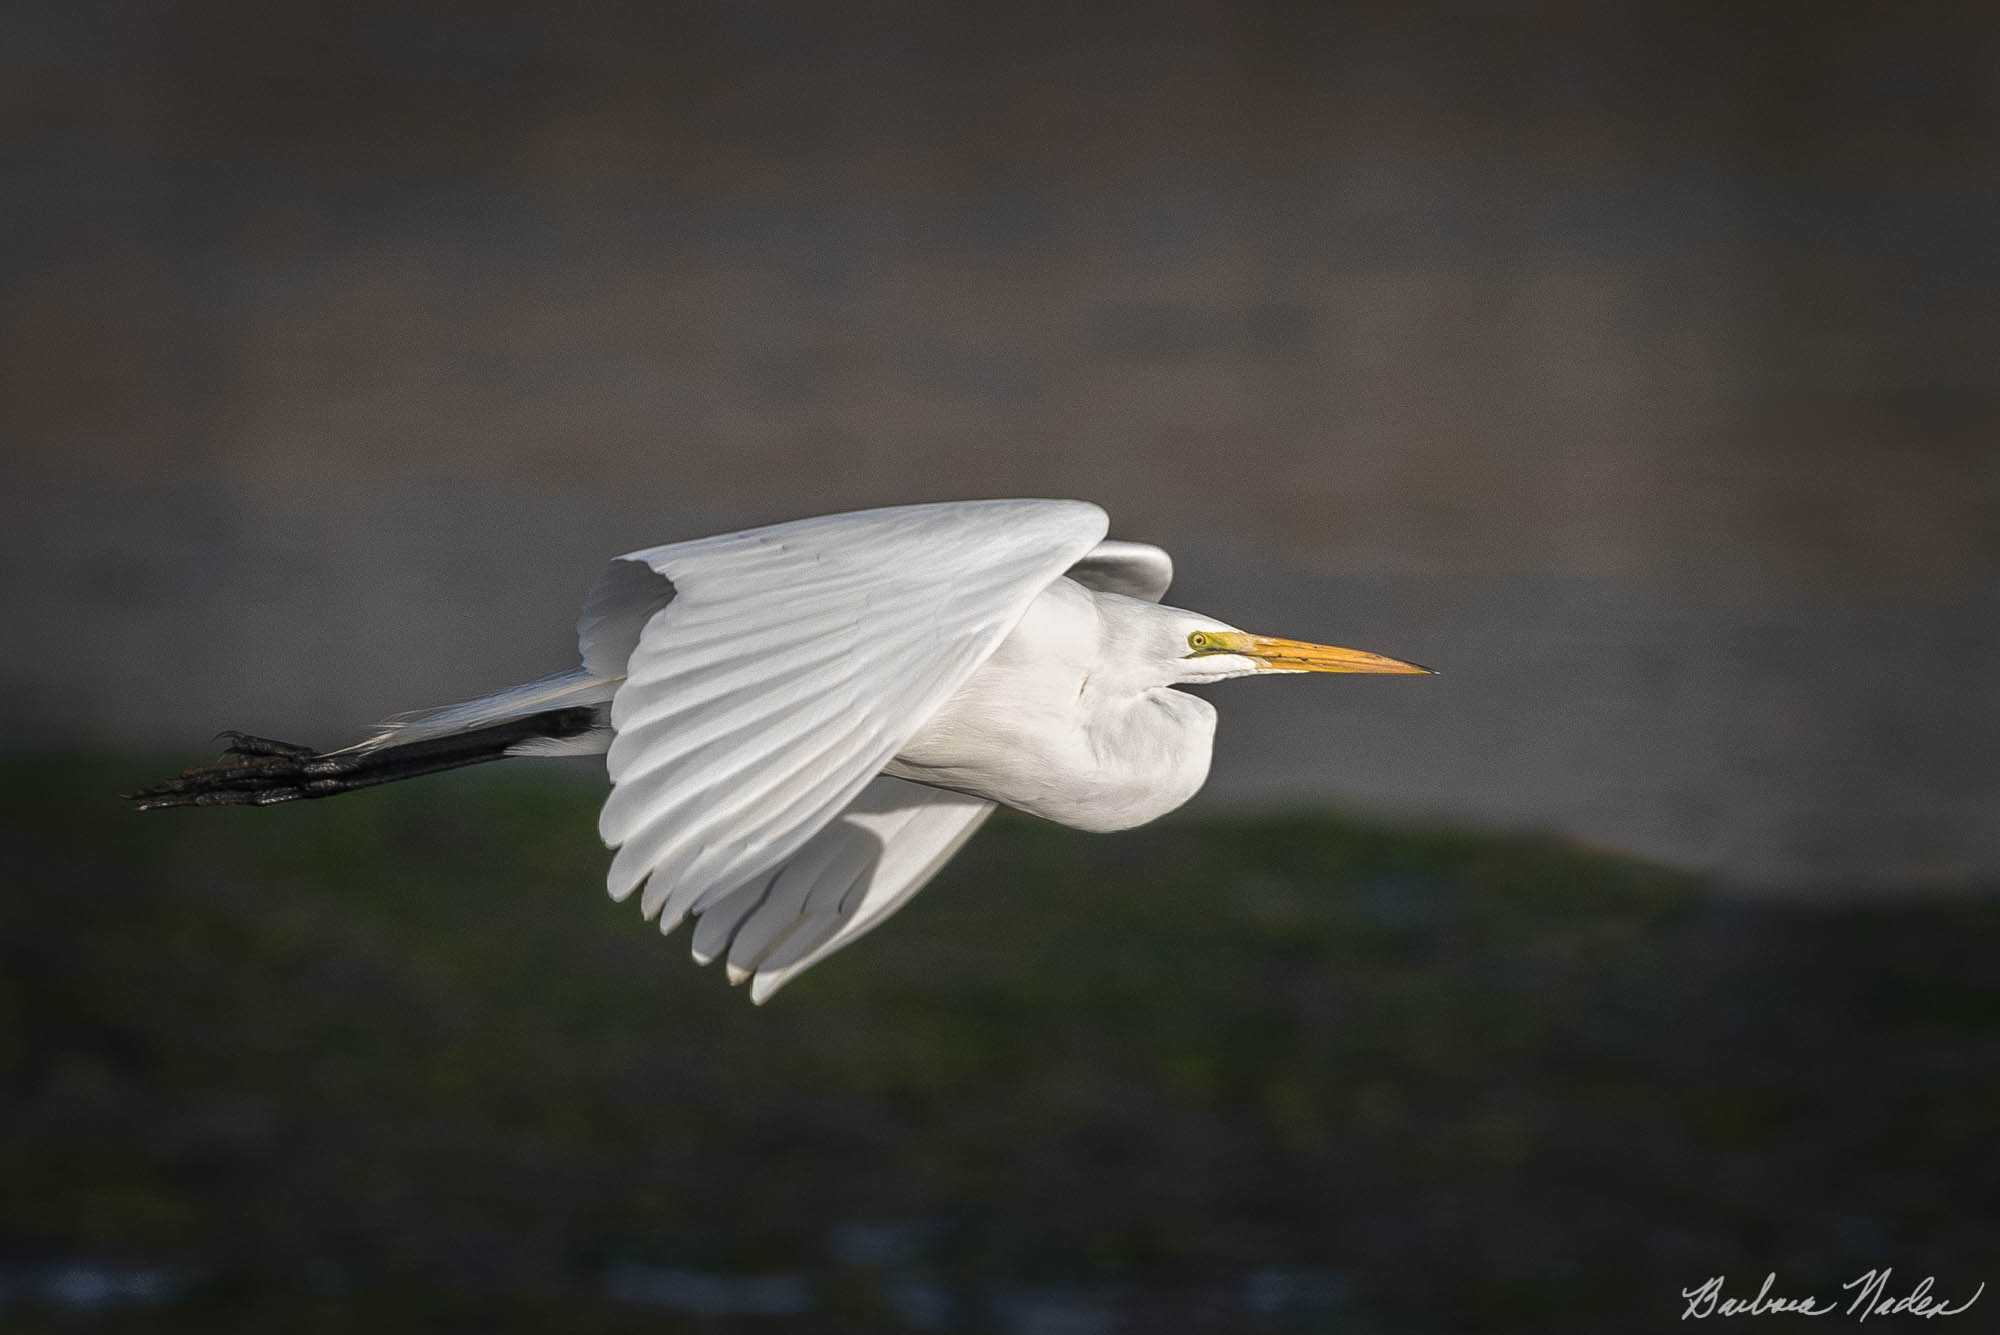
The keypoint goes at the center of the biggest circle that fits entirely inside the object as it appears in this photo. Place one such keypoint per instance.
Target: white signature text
(1870, 1296)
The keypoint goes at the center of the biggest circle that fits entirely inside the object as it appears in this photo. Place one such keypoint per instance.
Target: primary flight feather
(802, 723)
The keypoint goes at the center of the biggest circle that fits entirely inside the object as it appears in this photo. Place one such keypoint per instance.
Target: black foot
(259, 772)
(253, 771)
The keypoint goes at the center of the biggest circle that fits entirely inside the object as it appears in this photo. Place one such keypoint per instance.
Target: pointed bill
(1276, 655)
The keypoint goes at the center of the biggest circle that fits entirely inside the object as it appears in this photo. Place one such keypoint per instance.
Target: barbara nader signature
(1871, 1297)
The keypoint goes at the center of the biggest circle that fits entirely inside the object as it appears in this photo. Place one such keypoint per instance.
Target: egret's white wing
(789, 664)
(855, 872)
(1135, 569)
(887, 845)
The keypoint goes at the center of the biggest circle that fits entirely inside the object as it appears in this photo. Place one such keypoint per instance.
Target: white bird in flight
(802, 723)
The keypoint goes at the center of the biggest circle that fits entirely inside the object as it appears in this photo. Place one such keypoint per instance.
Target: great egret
(802, 723)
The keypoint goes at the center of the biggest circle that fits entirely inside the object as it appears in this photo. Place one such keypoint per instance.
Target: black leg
(243, 744)
(260, 772)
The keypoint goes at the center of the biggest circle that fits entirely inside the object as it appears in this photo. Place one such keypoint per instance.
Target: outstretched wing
(890, 841)
(1135, 569)
(789, 664)
(855, 872)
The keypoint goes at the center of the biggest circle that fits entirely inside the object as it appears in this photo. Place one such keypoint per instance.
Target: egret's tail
(562, 715)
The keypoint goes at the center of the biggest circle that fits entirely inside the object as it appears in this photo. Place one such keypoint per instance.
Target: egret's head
(1207, 650)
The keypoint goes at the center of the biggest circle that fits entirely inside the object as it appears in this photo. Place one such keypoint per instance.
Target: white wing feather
(790, 664)
(862, 867)
(887, 845)
(1135, 569)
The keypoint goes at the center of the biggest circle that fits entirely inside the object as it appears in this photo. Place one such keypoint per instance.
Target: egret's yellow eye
(1199, 640)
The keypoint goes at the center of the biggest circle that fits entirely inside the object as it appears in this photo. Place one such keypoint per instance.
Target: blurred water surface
(1633, 365)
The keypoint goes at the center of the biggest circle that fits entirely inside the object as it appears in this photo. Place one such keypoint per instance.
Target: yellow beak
(1275, 655)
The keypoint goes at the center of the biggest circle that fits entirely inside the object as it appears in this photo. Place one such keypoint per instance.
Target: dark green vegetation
(394, 1062)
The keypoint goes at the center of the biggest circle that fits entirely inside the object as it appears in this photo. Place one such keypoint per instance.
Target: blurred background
(1633, 364)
